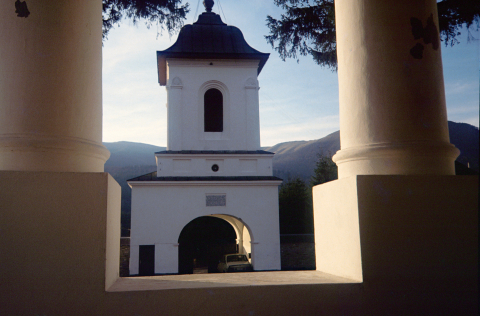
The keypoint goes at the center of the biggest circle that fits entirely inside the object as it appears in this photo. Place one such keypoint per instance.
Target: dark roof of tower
(208, 38)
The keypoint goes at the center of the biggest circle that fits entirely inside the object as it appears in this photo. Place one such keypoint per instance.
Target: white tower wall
(187, 82)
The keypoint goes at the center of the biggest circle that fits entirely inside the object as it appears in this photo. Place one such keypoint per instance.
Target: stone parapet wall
(298, 255)
(124, 259)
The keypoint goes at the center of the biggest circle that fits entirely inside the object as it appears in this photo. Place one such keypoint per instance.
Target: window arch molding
(214, 84)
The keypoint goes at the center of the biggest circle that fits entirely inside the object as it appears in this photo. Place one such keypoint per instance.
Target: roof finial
(208, 5)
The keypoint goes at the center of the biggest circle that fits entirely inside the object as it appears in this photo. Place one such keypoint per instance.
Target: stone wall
(124, 256)
(298, 255)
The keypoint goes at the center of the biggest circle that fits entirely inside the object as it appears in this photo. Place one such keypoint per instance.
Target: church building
(213, 169)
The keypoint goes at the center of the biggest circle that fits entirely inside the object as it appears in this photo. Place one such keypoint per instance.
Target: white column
(50, 87)
(174, 114)
(240, 239)
(393, 117)
(252, 115)
(246, 241)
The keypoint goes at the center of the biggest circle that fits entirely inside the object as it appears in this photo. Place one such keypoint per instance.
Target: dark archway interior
(203, 241)
(213, 107)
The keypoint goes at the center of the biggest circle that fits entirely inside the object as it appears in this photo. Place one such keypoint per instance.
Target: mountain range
(292, 159)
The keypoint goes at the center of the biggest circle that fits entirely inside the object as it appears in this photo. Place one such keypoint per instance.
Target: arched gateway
(213, 166)
(204, 240)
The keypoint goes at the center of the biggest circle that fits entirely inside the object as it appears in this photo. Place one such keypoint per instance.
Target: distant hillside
(292, 159)
(124, 154)
(466, 138)
(297, 159)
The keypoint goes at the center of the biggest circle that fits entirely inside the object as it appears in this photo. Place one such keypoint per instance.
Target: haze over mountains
(292, 159)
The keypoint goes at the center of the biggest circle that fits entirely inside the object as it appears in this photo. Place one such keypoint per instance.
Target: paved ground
(212, 280)
(200, 270)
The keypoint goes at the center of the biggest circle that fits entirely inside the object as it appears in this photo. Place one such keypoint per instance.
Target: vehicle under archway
(203, 241)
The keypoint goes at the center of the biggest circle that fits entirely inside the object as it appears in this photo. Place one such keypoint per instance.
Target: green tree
(453, 15)
(168, 14)
(295, 207)
(308, 27)
(325, 170)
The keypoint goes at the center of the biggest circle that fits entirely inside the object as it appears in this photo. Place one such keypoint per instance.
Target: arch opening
(202, 242)
(213, 110)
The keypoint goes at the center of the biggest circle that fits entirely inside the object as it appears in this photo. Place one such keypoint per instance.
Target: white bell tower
(212, 104)
(213, 165)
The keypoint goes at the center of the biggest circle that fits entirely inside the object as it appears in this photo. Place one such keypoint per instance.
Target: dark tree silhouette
(167, 14)
(307, 27)
(453, 15)
(325, 170)
(296, 214)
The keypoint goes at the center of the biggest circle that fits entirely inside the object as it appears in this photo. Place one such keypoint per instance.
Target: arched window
(213, 111)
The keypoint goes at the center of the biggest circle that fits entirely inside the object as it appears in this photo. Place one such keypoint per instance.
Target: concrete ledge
(215, 280)
(59, 238)
(58, 252)
(413, 240)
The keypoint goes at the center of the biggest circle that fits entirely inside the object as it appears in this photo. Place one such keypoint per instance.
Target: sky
(298, 100)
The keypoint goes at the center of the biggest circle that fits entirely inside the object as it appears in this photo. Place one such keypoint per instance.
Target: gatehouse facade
(213, 165)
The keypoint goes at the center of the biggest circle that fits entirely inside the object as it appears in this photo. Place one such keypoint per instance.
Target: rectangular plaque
(217, 200)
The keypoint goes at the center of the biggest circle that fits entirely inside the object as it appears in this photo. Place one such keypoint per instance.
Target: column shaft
(50, 87)
(393, 116)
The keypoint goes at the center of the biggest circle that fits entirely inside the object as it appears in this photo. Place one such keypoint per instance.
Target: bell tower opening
(213, 110)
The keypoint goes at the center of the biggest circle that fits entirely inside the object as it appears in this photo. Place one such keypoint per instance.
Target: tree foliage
(168, 14)
(295, 198)
(453, 15)
(296, 214)
(325, 170)
(307, 27)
